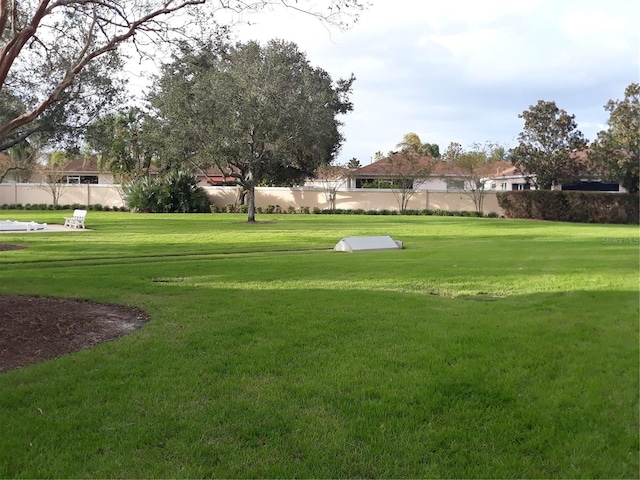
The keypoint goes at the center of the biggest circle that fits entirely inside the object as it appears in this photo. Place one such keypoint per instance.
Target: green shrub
(178, 192)
(304, 209)
(570, 206)
(272, 209)
(183, 194)
(291, 209)
(145, 195)
(229, 208)
(243, 208)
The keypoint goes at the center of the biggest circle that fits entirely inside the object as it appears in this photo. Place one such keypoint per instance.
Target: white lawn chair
(77, 221)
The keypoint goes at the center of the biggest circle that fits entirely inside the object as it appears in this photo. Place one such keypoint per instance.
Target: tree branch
(12, 49)
(9, 170)
(10, 52)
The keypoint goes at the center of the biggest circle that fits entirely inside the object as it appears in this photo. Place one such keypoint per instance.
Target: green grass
(484, 349)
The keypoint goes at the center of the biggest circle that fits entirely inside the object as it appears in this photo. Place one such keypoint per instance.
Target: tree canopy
(119, 140)
(406, 171)
(59, 59)
(616, 152)
(412, 143)
(257, 113)
(475, 166)
(547, 144)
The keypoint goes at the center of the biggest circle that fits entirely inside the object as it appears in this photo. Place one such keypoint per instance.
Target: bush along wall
(230, 208)
(177, 192)
(571, 206)
(48, 206)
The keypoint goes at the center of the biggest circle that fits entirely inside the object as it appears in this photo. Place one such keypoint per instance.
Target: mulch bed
(34, 329)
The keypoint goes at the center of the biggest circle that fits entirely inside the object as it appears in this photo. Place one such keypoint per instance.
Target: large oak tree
(59, 59)
(257, 113)
(546, 146)
(616, 153)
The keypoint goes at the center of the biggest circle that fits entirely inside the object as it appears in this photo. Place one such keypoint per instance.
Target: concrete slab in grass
(367, 244)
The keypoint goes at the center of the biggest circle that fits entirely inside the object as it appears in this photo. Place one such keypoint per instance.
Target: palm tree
(21, 161)
(353, 164)
(412, 143)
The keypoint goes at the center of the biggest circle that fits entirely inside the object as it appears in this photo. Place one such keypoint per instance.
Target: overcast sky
(462, 70)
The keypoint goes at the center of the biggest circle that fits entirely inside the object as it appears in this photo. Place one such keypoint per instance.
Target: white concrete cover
(361, 244)
(10, 226)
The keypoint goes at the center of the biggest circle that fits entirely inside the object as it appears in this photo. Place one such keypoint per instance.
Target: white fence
(366, 199)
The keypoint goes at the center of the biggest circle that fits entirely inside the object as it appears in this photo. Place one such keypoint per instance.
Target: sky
(463, 70)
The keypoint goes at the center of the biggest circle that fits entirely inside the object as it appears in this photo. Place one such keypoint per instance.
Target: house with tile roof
(443, 177)
(85, 170)
(510, 178)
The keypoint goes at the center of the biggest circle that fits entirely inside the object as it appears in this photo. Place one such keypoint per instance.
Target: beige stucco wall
(366, 199)
(27, 193)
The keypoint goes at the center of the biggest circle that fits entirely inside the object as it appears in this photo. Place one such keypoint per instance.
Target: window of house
(455, 185)
(593, 186)
(82, 179)
(373, 183)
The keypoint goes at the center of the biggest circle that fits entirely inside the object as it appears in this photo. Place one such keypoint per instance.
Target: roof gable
(384, 167)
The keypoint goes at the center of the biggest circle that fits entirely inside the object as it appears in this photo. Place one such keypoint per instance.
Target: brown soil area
(34, 329)
(6, 247)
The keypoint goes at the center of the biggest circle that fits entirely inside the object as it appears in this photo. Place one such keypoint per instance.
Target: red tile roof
(382, 167)
(82, 165)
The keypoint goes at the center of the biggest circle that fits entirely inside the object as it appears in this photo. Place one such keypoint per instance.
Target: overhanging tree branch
(11, 51)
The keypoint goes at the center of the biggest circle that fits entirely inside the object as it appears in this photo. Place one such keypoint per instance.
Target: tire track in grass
(137, 259)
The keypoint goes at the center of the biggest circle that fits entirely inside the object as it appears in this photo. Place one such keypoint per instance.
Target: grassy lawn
(485, 348)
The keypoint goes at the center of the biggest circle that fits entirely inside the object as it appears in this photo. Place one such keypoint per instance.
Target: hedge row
(45, 206)
(342, 211)
(264, 210)
(570, 206)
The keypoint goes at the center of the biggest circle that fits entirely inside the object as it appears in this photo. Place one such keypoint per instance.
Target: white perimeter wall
(89, 194)
(366, 199)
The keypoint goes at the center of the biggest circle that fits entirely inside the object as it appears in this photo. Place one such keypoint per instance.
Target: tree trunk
(251, 204)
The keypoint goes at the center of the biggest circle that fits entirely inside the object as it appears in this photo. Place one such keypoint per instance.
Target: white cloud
(582, 23)
(462, 70)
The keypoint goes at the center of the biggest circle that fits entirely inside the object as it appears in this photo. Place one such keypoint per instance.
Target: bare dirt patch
(5, 247)
(34, 329)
